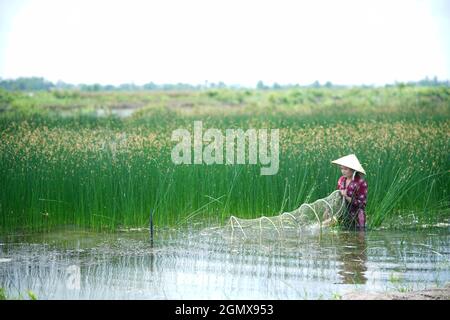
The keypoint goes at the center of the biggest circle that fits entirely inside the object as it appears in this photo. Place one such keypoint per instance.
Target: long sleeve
(360, 199)
(339, 184)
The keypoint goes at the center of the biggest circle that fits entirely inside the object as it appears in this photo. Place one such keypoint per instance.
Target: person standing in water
(353, 188)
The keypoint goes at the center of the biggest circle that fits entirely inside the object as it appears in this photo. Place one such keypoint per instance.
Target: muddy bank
(428, 294)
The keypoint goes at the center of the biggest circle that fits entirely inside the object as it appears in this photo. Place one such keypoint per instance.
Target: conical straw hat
(350, 161)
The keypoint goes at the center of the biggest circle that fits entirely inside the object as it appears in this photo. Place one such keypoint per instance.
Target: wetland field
(83, 175)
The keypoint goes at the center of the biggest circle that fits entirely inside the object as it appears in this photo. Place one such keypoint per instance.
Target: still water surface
(207, 264)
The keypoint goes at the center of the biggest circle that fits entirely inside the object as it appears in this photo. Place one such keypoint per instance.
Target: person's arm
(329, 222)
(360, 199)
(347, 198)
(343, 191)
(339, 183)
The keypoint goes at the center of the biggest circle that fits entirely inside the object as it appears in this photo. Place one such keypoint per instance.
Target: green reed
(108, 173)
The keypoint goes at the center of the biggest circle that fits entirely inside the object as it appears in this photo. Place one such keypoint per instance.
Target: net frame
(308, 216)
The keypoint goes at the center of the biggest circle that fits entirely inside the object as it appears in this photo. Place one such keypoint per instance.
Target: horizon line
(211, 84)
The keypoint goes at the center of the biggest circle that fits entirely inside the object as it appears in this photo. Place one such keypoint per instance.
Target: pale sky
(234, 41)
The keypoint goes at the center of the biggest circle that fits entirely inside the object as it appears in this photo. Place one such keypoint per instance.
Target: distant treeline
(39, 84)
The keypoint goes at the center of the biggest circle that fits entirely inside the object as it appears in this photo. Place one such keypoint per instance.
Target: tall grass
(108, 173)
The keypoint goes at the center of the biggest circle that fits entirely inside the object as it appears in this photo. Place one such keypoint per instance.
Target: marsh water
(204, 264)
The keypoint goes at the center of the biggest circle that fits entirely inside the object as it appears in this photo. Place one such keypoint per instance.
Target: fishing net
(307, 217)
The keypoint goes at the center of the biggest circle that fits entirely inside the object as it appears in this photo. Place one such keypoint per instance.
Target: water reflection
(352, 253)
(207, 266)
